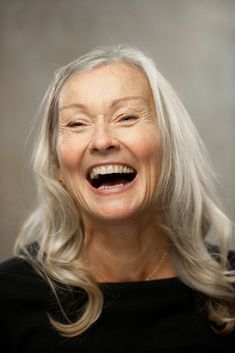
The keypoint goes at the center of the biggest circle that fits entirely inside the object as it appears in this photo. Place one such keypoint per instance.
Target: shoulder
(17, 267)
(20, 268)
(19, 281)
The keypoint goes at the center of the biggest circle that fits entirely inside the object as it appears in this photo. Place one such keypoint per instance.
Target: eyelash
(75, 124)
(128, 117)
(125, 118)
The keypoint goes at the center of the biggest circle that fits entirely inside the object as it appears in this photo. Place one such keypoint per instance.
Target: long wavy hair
(189, 205)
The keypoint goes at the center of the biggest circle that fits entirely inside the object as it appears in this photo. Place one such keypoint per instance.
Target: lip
(114, 191)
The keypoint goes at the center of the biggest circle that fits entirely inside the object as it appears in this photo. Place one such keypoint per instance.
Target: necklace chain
(156, 268)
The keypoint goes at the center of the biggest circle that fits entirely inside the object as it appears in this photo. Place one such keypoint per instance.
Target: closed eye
(128, 118)
(76, 124)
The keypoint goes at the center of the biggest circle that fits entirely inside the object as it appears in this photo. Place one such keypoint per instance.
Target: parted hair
(186, 198)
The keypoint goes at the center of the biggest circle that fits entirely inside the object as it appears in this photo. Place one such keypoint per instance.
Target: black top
(138, 317)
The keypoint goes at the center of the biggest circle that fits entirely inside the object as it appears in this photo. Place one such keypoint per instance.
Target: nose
(102, 139)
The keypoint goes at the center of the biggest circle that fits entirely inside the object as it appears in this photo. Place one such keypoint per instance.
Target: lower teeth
(109, 187)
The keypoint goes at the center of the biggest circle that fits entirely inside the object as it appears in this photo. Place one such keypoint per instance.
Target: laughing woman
(114, 258)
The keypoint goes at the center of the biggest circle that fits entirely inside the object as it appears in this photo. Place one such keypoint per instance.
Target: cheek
(147, 147)
(151, 148)
(69, 153)
(149, 155)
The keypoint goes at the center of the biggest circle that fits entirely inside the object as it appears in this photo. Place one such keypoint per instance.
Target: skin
(107, 115)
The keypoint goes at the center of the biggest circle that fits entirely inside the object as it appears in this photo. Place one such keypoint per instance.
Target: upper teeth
(109, 169)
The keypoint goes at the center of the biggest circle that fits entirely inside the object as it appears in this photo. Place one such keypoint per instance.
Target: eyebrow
(113, 104)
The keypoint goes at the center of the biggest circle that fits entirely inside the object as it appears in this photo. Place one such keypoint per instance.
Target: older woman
(114, 256)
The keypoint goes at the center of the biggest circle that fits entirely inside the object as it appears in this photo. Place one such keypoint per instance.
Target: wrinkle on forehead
(116, 102)
(102, 88)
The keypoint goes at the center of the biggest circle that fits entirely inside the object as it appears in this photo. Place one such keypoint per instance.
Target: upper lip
(108, 164)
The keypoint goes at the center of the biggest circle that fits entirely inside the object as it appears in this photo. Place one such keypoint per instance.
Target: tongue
(116, 181)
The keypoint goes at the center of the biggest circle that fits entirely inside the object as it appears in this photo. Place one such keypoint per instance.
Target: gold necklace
(156, 268)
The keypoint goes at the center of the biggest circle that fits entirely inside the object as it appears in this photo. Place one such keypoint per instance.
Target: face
(109, 146)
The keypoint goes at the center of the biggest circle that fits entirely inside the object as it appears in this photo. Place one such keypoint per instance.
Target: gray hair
(186, 195)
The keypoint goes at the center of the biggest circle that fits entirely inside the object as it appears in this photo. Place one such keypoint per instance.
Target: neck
(126, 252)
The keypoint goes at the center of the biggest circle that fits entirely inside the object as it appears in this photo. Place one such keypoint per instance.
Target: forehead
(106, 83)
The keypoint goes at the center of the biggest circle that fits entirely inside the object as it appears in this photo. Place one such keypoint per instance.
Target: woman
(114, 257)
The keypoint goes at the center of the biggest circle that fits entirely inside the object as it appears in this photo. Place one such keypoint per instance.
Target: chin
(116, 215)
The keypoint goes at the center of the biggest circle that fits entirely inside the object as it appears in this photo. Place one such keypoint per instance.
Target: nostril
(104, 145)
(102, 138)
(103, 148)
(111, 147)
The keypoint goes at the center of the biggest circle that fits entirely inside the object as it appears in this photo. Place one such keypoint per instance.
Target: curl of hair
(186, 200)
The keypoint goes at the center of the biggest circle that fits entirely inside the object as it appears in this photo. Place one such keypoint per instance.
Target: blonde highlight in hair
(186, 200)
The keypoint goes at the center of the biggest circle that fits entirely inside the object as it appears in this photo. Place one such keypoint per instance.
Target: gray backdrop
(193, 43)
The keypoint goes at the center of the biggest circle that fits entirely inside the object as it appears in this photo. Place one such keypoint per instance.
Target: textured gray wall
(193, 43)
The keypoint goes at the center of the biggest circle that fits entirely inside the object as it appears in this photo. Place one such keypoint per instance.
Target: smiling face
(109, 146)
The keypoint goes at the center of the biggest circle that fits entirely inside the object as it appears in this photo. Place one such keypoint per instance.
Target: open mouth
(111, 176)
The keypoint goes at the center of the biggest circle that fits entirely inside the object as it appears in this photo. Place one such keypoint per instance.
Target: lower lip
(115, 190)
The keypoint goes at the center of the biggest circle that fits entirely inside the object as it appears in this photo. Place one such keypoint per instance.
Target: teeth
(110, 187)
(109, 169)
